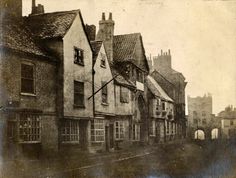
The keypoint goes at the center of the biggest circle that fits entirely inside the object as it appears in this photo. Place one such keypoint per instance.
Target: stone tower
(106, 33)
(11, 8)
(162, 62)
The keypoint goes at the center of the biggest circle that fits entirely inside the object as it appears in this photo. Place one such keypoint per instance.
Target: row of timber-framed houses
(65, 89)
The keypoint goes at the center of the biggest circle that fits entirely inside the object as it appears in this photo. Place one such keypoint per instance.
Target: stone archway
(214, 133)
(199, 134)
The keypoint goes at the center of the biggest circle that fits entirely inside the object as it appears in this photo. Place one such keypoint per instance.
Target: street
(195, 159)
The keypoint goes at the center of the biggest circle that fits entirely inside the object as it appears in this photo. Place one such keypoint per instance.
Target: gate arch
(199, 134)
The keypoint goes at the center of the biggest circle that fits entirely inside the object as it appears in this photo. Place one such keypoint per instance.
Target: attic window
(78, 56)
(103, 60)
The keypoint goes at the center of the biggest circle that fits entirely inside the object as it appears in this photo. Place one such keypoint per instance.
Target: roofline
(56, 12)
(163, 77)
(48, 58)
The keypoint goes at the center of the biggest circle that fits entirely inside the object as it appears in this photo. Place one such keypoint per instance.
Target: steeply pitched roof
(121, 79)
(124, 48)
(96, 46)
(51, 25)
(156, 89)
(16, 36)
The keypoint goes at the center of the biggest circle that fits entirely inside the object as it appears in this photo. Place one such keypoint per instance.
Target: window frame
(33, 93)
(32, 131)
(73, 132)
(119, 130)
(97, 126)
(103, 60)
(81, 95)
(77, 59)
(104, 92)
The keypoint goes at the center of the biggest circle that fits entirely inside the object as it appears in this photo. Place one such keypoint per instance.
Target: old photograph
(117, 88)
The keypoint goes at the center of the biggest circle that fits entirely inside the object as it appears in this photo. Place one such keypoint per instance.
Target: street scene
(124, 89)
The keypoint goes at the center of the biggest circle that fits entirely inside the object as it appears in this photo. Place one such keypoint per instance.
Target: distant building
(199, 111)
(202, 124)
(174, 84)
(228, 122)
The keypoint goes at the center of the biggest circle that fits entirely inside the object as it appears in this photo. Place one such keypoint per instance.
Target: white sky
(200, 33)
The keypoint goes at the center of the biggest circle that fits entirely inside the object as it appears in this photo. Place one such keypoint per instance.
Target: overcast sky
(200, 33)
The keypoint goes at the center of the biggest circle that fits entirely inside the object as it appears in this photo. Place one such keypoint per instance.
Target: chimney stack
(39, 9)
(106, 33)
(110, 16)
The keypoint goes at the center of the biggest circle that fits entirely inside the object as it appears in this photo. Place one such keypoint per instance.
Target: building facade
(228, 123)
(173, 83)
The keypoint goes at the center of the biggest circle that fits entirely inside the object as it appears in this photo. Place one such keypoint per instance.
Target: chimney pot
(169, 51)
(103, 16)
(161, 52)
(110, 16)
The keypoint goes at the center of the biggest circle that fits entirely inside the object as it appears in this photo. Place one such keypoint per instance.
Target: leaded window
(70, 131)
(97, 130)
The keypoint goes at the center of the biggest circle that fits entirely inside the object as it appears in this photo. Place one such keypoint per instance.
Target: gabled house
(126, 55)
(162, 123)
(63, 35)
(103, 98)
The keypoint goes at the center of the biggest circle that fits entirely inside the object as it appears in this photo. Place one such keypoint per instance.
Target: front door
(111, 133)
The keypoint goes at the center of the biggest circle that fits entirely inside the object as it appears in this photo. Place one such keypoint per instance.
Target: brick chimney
(91, 31)
(39, 9)
(11, 8)
(106, 33)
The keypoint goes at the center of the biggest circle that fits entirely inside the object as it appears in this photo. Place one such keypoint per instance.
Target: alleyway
(174, 160)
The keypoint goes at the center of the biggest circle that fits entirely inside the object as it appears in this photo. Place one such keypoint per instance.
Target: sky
(201, 35)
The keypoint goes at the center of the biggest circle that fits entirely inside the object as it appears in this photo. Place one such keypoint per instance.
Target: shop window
(119, 130)
(70, 131)
(97, 131)
(29, 128)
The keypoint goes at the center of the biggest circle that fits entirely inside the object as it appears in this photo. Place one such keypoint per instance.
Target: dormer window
(78, 56)
(103, 60)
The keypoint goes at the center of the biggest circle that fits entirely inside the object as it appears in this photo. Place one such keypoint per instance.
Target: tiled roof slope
(96, 46)
(124, 47)
(51, 25)
(16, 36)
(120, 79)
(156, 89)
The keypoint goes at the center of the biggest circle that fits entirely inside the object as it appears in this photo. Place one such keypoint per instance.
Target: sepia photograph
(117, 88)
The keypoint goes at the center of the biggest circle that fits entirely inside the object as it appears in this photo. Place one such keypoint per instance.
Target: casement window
(136, 132)
(172, 127)
(140, 77)
(103, 60)
(152, 128)
(27, 78)
(70, 131)
(124, 95)
(97, 131)
(29, 128)
(119, 130)
(163, 106)
(104, 93)
(78, 56)
(79, 94)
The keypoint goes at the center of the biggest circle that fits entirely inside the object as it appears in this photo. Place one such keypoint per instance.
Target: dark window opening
(79, 93)
(27, 78)
(78, 56)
